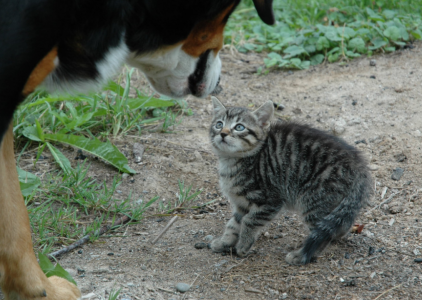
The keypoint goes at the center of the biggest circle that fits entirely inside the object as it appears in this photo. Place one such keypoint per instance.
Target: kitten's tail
(339, 221)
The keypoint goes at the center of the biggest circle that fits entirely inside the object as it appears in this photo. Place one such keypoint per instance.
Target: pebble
(200, 245)
(110, 254)
(130, 284)
(418, 260)
(372, 62)
(338, 127)
(222, 289)
(80, 251)
(284, 296)
(208, 238)
(397, 173)
(125, 175)
(182, 287)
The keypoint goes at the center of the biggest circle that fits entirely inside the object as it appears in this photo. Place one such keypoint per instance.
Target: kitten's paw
(218, 245)
(295, 258)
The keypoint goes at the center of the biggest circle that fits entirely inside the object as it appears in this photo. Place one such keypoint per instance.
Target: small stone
(371, 251)
(182, 287)
(397, 174)
(373, 275)
(338, 127)
(418, 260)
(125, 175)
(284, 296)
(297, 111)
(130, 284)
(354, 102)
(417, 133)
(346, 255)
(208, 238)
(138, 151)
(222, 289)
(416, 252)
(267, 234)
(391, 222)
(200, 245)
(110, 254)
(279, 107)
(363, 141)
(372, 62)
(80, 251)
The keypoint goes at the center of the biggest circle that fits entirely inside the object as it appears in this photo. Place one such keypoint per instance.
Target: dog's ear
(265, 10)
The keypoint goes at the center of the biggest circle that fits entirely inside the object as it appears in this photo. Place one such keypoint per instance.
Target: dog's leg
(20, 275)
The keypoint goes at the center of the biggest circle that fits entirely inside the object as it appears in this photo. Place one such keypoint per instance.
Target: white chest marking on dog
(107, 67)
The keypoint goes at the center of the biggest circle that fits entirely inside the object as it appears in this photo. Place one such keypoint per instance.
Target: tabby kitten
(265, 166)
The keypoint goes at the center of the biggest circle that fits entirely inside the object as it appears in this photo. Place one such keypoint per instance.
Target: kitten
(265, 166)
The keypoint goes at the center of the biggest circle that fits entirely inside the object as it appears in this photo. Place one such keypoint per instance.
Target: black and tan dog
(75, 45)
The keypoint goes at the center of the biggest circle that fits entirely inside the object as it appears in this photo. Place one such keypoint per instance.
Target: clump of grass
(309, 32)
(184, 200)
(68, 204)
(66, 208)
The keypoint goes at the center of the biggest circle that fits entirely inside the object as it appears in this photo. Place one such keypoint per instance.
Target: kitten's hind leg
(230, 236)
(252, 224)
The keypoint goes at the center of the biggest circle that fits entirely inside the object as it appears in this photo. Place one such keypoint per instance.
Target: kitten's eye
(219, 125)
(239, 127)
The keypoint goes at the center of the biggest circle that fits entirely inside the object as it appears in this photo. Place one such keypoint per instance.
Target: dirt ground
(376, 108)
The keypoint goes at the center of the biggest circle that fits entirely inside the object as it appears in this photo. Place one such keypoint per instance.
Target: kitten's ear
(218, 106)
(265, 114)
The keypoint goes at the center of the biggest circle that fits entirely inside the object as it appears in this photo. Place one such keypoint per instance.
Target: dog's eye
(219, 125)
(239, 127)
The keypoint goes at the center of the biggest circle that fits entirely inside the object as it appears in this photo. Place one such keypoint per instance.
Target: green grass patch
(309, 32)
(67, 203)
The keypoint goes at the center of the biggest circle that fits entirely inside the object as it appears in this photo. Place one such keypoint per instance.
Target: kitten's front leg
(230, 236)
(252, 223)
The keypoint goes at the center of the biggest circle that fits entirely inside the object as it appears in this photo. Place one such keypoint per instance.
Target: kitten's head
(238, 132)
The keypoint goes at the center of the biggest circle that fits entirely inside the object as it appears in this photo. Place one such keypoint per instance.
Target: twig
(193, 282)
(86, 238)
(393, 288)
(383, 202)
(165, 229)
(164, 290)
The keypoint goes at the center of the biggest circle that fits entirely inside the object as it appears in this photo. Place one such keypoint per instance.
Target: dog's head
(176, 42)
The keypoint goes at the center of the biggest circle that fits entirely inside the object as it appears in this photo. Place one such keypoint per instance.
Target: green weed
(309, 32)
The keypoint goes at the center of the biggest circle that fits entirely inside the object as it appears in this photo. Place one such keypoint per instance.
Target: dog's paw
(61, 289)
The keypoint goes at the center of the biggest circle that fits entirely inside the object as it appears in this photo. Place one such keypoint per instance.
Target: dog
(75, 46)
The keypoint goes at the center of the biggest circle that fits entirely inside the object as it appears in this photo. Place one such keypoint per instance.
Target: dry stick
(193, 282)
(85, 239)
(393, 288)
(165, 229)
(383, 202)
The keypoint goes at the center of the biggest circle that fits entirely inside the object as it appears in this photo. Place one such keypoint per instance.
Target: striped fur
(266, 166)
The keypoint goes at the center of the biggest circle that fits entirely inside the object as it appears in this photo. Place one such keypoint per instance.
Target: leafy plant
(77, 120)
(53, 270)
(310, 32)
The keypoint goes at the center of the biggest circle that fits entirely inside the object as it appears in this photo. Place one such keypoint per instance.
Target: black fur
(84, 30)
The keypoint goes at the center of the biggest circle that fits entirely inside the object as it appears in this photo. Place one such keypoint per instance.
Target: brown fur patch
(207, 35)
(43, 68)
(20, 274)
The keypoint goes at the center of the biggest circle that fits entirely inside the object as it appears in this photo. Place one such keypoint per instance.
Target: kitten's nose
(223, 134)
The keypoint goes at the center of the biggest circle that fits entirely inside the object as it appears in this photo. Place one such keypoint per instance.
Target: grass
(68, 203)
(309, 32)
